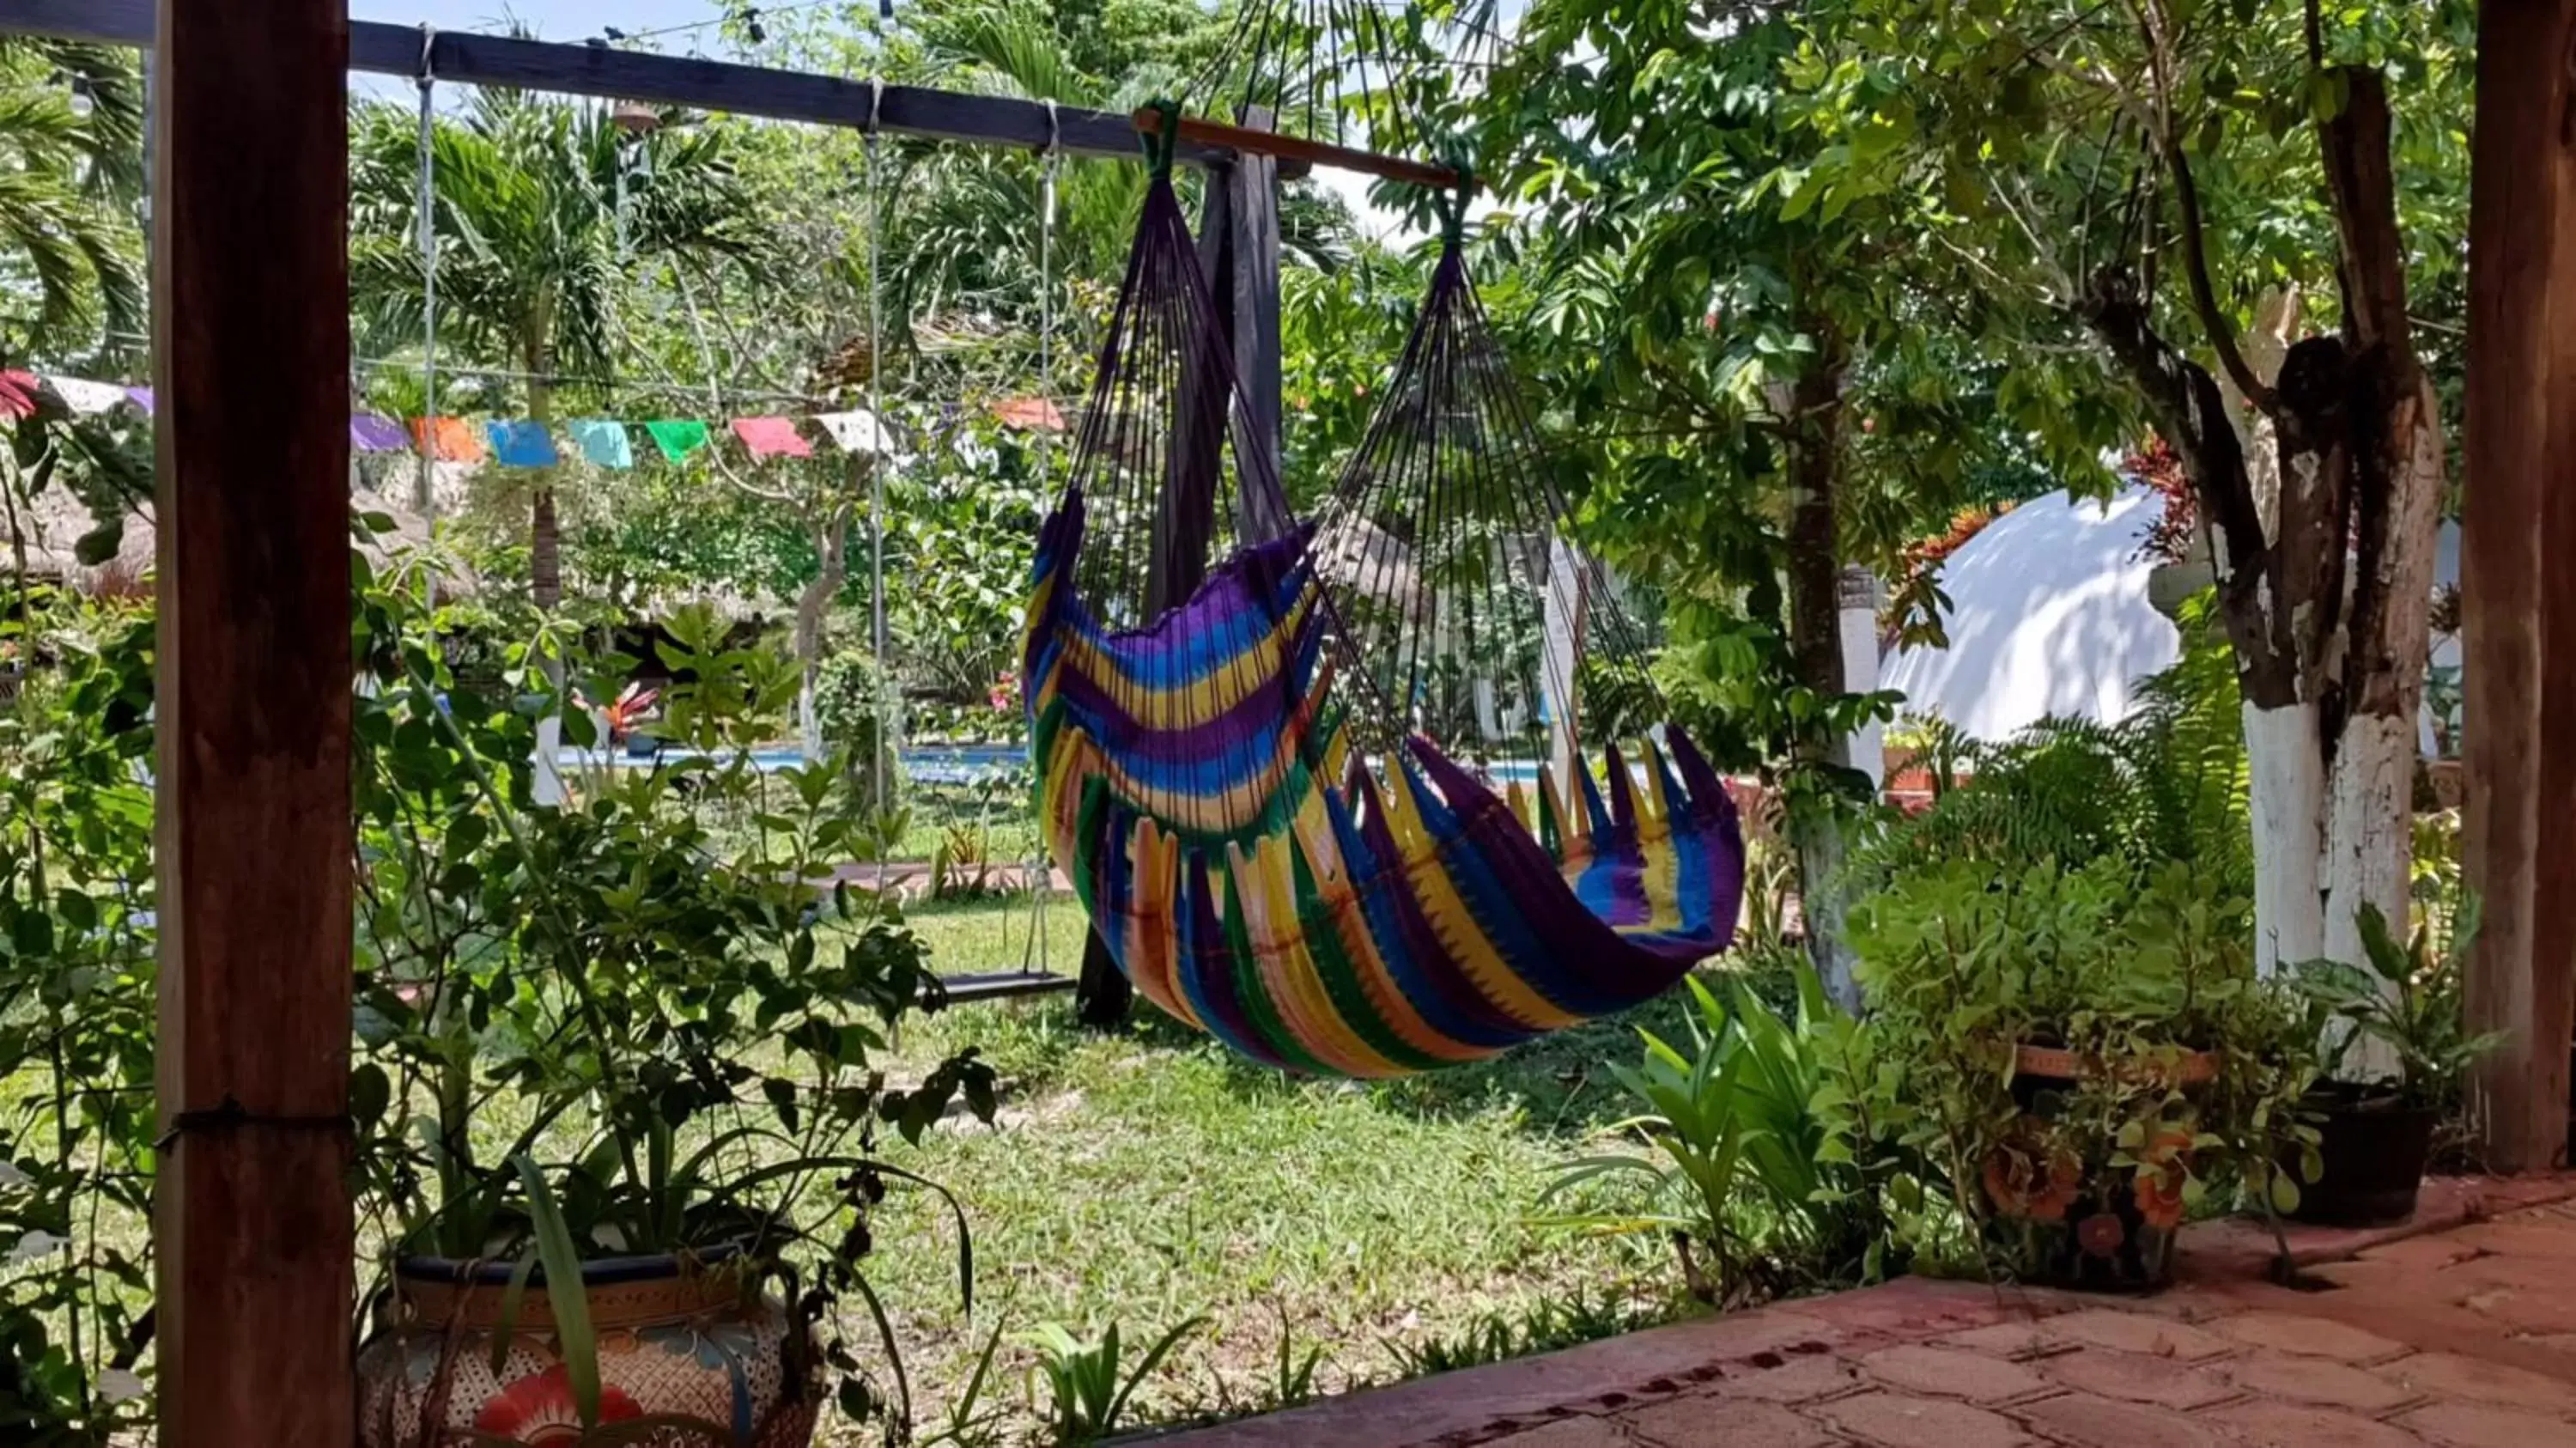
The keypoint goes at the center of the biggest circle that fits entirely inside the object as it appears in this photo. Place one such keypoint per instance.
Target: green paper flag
(677, 439)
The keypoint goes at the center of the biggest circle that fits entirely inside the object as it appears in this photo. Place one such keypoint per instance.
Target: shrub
(859, 716)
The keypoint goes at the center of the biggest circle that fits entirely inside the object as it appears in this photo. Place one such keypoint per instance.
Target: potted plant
(2086, 1053)
(2402, 1046)
(615, 1098)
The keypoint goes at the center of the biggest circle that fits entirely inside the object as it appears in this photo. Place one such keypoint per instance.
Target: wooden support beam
(252, 1220)
(1251, 282)
(671, 80)
(2518, 596)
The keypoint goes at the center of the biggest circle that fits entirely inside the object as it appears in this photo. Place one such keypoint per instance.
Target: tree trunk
(1816, 648)
(2327, 599)
(2394, 452)
(545, 578)
(832, 542)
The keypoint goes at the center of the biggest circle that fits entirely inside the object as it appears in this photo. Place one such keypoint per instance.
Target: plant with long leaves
(1088, 1394)
(71, 133)
(2407, 999)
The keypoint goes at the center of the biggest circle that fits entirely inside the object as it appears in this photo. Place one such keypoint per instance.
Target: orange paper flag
(448, 439)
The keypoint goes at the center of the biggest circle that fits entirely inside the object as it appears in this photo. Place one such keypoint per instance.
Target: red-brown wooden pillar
(2518, 571)
(251, 366)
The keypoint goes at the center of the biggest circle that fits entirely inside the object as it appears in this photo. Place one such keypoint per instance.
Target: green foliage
(856, 711)
(2409, 1002)
(1548, 1325)
(2167, 784)
(78, 1022)
(579, 1030)
(1771, 1149)
(541, 207)
(71, 246)
(1965, 965)
(1087, 1391)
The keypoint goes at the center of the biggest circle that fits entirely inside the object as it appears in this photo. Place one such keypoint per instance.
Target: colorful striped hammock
(1252, 867)
(1304, 913)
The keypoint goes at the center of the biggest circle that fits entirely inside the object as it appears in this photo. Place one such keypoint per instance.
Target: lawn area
(1146, 1176)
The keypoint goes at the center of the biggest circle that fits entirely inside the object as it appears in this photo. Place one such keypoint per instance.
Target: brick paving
(2458, 1331)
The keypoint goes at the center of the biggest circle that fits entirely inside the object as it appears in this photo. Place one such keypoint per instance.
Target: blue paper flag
(603, 441)
(521, 444)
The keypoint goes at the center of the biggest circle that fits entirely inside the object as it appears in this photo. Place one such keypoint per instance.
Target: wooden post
(1239, 247)
(1251, 279)
(2518, 599)
(251, 364)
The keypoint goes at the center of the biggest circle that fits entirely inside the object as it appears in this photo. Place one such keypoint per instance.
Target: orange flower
(2030, 1175)
(2163, 1168)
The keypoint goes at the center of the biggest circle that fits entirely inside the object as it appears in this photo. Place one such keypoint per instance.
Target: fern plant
(2166, 785)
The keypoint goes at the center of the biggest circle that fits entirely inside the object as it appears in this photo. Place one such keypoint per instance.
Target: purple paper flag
(370, 433)
(140, 397)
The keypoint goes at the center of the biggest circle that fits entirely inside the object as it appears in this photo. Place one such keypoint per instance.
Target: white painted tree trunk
(2369, 839)
(1561, 660)
(1859, 620)
(2288, 801)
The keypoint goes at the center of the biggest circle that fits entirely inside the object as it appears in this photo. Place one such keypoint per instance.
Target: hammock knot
(1164, 142)
(1453, 206)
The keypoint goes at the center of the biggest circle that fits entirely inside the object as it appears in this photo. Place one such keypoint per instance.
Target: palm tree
(542, 211)
(71, 151)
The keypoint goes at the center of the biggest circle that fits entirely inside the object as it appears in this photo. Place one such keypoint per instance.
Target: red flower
(17, 396)
(2100, 1234)
(539, 1409)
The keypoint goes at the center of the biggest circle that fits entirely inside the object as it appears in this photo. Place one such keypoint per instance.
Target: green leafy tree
(1760, 371)
(71, 151)
(542, 210)
(2249, 207)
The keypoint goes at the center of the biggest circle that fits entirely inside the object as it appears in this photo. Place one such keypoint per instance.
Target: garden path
(2457, 1331)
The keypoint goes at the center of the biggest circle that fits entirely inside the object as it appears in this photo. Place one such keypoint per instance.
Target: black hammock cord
(1450, 475)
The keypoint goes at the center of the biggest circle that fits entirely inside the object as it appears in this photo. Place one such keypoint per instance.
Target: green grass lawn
(1146, 1176)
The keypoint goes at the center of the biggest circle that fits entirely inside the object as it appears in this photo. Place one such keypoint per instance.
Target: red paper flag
(770, 437)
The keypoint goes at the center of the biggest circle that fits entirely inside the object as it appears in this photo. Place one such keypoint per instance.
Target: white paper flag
(87, 398)
(858, 432)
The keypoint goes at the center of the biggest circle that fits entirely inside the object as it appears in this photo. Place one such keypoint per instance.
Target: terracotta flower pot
(677, 1339)
(2052, 1063)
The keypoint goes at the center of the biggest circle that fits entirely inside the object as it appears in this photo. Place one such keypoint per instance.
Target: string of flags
(601, 441)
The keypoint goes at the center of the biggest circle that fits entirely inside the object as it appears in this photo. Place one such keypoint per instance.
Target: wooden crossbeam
(669, 80)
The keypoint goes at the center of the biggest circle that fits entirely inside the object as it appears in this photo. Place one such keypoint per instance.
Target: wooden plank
(967, 990)
(2518, 613)
(250, 294)
(1251, 280)
(1247, 140)
(674, 80)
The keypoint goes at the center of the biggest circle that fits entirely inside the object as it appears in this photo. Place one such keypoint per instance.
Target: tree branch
(2204, 297)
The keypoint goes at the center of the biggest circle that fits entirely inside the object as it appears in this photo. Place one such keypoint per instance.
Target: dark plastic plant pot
(2375, 1147)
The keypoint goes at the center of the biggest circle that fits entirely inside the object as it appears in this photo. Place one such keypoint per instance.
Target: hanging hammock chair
(1237, 766)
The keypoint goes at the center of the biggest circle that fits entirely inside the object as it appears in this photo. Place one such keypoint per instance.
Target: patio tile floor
(2457, 1331)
